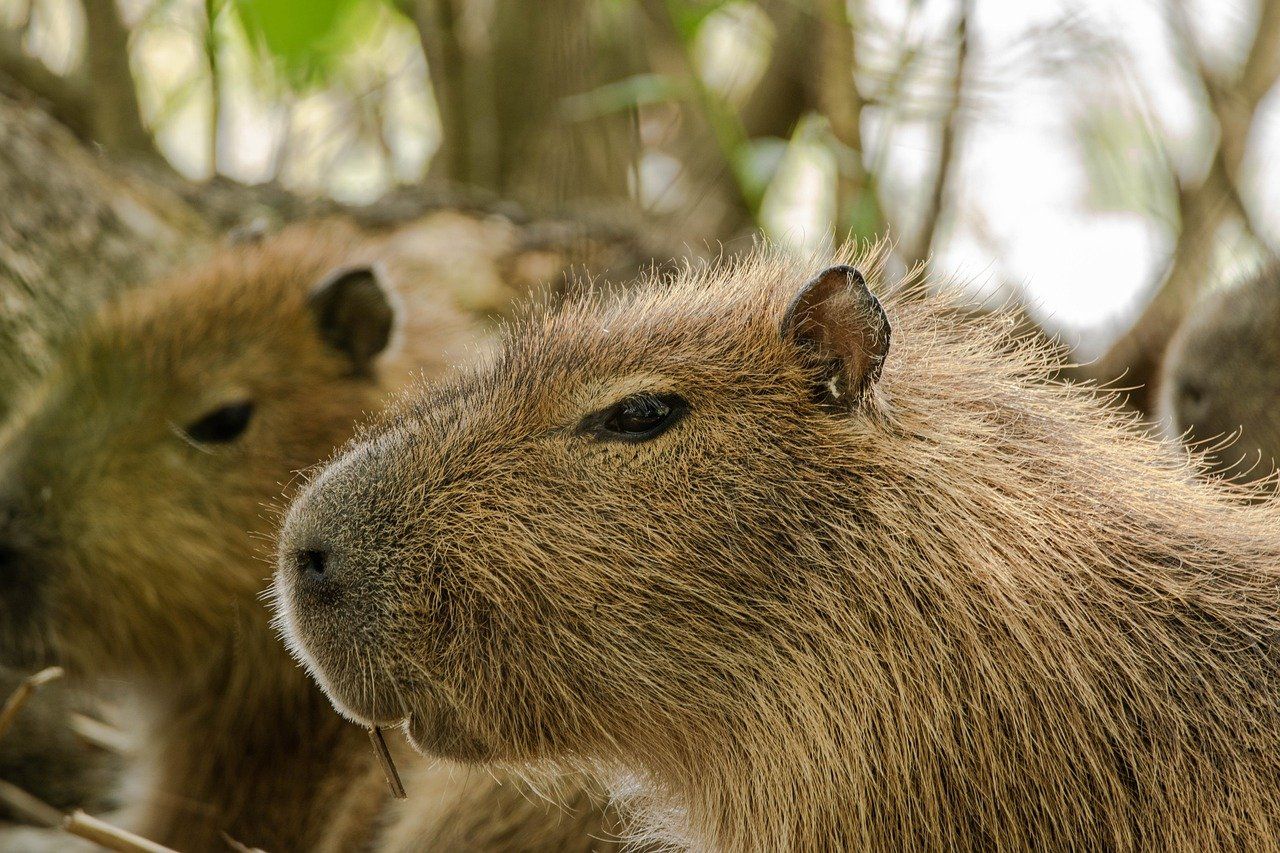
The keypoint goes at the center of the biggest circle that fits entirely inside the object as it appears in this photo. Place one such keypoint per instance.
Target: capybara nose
(15, 572)
(316, 572)
(311, 564)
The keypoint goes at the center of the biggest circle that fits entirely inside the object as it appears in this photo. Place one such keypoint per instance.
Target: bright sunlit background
(1073, 117)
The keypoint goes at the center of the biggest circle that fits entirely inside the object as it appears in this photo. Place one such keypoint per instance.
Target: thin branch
(14, 704)
(388, 765)
(843, 104)
(726, 126)
(947, 147)
(117, 120)
(437, 25)
(211, 48)
(1203, 207)
(1232, 104)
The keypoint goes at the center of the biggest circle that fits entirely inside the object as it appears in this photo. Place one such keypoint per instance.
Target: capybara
(787, 586)
(45, 756)
(132, 487)
(1220, 382)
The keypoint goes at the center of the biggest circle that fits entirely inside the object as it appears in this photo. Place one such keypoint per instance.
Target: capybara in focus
(1221, 378)
(136, 488)
(789, 586)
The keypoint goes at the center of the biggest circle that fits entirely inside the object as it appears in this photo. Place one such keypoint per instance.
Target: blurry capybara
(133, 485)
(1220, 382)
(44, 754)
(789, 587)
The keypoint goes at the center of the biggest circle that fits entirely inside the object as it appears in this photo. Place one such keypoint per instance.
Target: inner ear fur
(354, 315)
(839, 321)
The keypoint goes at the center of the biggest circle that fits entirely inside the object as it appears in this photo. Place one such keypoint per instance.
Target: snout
(23, 579)
(316, 573)
(330, 598)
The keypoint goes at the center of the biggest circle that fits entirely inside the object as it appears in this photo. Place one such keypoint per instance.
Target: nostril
(311, 562)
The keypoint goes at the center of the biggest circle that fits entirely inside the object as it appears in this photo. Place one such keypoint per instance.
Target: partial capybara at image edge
(796, 568)
(1220, 384)
(139, 486)
(44, 756)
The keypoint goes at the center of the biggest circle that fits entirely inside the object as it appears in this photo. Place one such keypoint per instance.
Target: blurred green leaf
(625, 94)
(1123, 164)
(688, 15)
(864, 218)
(305, 38)
(756, 164)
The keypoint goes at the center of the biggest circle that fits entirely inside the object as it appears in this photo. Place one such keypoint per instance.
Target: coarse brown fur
(971, 609)
(1220, 382)
(129, 547)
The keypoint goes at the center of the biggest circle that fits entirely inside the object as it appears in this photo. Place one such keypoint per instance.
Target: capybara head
(785, 586)
(1221, 378)
(614, 515)
(132, 483)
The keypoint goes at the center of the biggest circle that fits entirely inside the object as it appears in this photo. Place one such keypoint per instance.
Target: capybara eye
(1191, 393)
(223, 424)
(637, 418)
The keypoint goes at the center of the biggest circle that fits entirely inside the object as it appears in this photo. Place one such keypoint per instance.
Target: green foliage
(689, 15)
(305, 40)
(862, 218)
(1124, 164)
(756, 164)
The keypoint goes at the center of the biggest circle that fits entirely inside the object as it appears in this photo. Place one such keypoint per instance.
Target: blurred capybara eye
(637, 418)
(1192, 395)
(223, 424)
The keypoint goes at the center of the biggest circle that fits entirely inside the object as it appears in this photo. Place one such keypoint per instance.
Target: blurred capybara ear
(842, 324)
(354, 314)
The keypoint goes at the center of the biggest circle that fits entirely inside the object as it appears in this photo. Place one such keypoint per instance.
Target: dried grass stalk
(111, 837)
(388, 766)
(29, 808)
(25, 690)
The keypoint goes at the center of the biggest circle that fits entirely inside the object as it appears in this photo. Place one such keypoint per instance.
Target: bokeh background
(1080, 155)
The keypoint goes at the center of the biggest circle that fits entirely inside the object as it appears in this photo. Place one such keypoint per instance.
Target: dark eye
(222, 424)
(1191, 394)
(637, 418)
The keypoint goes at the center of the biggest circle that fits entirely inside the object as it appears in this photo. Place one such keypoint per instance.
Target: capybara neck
(267, 762)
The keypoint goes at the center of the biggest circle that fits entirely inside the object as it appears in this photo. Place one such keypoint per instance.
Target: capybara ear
(354, 314)
(835, 317)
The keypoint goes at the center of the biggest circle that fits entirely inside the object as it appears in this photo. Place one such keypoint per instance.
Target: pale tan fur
(143, 550)
(979, 611)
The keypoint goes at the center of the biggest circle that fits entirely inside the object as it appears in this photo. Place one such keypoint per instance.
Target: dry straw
(388, 766)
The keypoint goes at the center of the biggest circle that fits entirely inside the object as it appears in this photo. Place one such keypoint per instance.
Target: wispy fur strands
(980, 611)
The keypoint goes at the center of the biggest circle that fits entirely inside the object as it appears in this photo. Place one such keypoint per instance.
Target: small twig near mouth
(388, 766)
(19, 697)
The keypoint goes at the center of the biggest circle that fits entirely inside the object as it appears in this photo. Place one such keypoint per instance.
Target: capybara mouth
(437, 732)
(364, 710)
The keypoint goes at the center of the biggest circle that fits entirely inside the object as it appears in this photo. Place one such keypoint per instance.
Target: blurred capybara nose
(15, 571)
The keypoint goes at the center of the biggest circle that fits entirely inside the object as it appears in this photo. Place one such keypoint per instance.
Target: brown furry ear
(837, 318)
(354, 315)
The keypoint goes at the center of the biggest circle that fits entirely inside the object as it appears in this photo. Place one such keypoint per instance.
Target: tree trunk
(73, 228)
